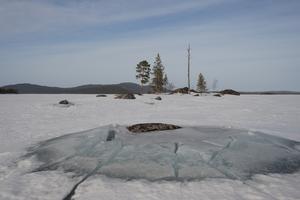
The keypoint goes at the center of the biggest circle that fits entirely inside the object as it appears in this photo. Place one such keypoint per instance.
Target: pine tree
(158, 75)
(143, 73)
(201, 84)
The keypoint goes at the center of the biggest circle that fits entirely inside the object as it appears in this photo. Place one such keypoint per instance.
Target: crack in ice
(100, 164)
(175, 164)
(192, 153)
(216, 153)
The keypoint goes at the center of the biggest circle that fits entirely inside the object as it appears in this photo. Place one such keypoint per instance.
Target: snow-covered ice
(224, 137)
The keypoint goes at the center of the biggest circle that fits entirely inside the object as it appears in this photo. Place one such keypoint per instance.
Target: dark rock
(230, 91)
(64, 102)
(217, 95)
(147, 127)
(184, 90)
(158, 98)
(139, 94)
(101, 95)
(191, 90)
(125, 96)
(8, 91)
(196, 95)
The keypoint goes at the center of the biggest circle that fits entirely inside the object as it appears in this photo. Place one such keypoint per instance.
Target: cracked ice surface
(183, 154)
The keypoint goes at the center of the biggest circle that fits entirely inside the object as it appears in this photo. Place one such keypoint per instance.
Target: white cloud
(228, 50)
(248, 51)
(41, 16)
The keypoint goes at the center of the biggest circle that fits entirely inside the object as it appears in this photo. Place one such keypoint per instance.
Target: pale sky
(244, 44)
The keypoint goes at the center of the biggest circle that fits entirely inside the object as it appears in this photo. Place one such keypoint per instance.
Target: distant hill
(273, 93)
(121, 88)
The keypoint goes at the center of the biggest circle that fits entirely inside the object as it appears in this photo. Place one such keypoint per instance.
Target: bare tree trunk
(141, 88)
(189, 60)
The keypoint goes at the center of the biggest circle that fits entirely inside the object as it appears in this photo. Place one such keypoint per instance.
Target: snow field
(28, 119)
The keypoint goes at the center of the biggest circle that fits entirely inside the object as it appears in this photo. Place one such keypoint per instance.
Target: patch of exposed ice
(183, 154)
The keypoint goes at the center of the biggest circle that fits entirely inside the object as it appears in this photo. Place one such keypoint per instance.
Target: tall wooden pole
(189, 63)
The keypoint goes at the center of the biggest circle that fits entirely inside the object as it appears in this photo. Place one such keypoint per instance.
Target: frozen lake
(26, 120)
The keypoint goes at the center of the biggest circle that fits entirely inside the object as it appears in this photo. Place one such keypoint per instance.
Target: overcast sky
(244, 44)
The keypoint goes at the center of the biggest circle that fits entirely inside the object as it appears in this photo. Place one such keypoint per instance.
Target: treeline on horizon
(8, 91)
